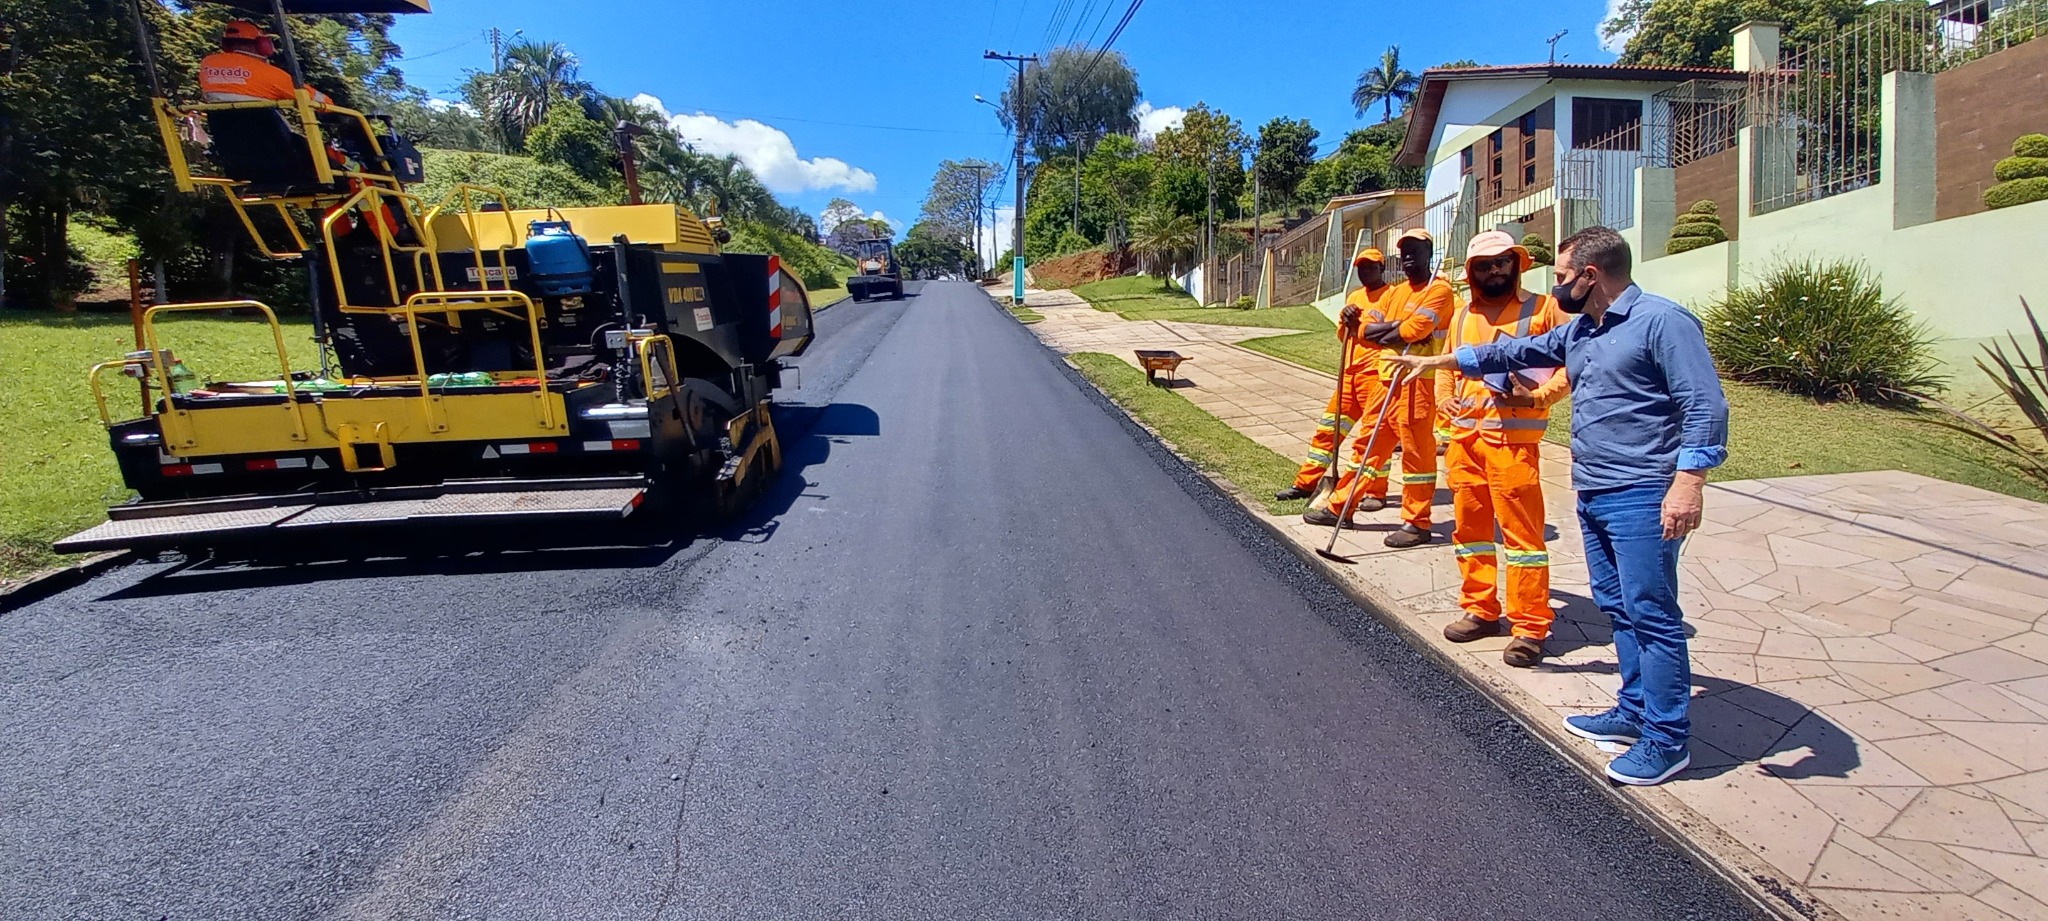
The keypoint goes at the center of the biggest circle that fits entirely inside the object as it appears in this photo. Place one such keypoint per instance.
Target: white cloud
(892, 222)
(1614, 44)
(1152, 120)
(766, 150)
(444, 105)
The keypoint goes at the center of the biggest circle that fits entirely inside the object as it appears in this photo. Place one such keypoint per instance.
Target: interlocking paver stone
(1871, 650)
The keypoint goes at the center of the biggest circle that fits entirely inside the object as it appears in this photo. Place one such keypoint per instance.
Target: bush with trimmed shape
(2012, 168)
(2023, 177)
(2030, 145)
(1699, 226)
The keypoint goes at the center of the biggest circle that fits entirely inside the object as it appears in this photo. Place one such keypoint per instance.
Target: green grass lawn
(56, 472)
(1212, 445)
(1138, 297)
(823, 296)
(1026, 315)
(1774, 434)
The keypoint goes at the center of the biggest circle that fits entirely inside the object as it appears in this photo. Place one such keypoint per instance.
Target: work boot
(1292, 492)
(1371, 504)
(1522, 652)
(1409, 536)
(1470, 627)
(1323, 518)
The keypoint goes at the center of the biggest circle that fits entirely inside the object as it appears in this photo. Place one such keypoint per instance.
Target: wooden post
(135, 307)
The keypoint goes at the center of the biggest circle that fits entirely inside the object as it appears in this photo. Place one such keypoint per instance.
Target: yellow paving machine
(480, 362)
(879, 276)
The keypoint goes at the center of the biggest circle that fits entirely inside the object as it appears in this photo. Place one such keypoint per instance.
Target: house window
(1494, 145)
(1528, 129)
(1607, 124)
(1465, 162)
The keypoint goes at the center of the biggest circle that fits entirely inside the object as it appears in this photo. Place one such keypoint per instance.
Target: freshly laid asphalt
(984, 652)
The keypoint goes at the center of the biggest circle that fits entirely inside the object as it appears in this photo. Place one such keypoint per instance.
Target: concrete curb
(51, 581)
(1669, 820)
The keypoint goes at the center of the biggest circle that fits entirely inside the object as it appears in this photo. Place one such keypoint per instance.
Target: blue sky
(863, 100)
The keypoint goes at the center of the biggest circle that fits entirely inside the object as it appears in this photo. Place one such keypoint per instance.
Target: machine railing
(388, 246)
(175, 431)
(284, 213)
(305, 112)
(468, 196)
(456, 301)
(645, 346)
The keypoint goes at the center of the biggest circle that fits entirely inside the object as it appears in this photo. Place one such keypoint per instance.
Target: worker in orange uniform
(1418, 314)
(241, 70)
(1496, 425)
(1358, 390)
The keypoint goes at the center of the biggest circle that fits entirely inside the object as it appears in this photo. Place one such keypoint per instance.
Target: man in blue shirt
(1648, 421)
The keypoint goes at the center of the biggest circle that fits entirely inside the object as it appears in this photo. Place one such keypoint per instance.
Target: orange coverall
(1492, 461)
(1357, 394)
(231, 76)
(1424, 313)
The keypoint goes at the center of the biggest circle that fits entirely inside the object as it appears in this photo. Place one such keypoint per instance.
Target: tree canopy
(1074, 97)
(1696, 33)
(1287, 148)
(1384, 83)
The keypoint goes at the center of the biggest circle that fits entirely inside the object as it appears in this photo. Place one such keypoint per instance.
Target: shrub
(1825, 330)
(1246, 302)
(2016, 192)
(2018, 377)
(2023, 177)
(1071, 242)
(1539, 250)
(2012, 168)
(1698, 227)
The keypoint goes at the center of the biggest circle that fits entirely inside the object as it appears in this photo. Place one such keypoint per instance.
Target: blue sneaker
(1648, 764)
(1604, 727)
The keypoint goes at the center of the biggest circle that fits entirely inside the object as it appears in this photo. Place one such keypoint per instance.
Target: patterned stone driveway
(1870, 651)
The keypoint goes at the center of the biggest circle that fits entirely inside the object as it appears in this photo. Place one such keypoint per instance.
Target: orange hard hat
(243, 30)
(1369, 254)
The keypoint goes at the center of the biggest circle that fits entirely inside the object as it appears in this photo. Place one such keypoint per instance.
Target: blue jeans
(1634, 572)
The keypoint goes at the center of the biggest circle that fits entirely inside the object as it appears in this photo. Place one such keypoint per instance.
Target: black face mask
(1566, 302)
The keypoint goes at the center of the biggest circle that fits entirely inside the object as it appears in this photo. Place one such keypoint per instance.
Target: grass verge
(1139, 297)
(1026, 315)
(59, 474)
(1773, 434)
(1213, 445)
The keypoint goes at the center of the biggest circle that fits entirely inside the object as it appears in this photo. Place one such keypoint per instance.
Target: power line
(1111, 40)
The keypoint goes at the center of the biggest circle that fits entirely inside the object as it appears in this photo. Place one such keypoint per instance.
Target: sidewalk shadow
(1735, 724)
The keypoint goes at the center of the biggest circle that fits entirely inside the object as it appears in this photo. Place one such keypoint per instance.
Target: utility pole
(1017, 219)
(980, 171)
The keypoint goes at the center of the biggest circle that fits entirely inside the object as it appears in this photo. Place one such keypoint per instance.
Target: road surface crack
(675, 865)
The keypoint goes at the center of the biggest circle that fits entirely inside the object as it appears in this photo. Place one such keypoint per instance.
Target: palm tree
(1385, 83)
(1165, 239)
(535, 75)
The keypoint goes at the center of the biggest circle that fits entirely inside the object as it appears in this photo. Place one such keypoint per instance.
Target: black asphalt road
(985, 653)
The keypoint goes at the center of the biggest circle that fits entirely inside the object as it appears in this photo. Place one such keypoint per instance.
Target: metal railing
(1822, 110)
(1596, 183)
(1694, 120)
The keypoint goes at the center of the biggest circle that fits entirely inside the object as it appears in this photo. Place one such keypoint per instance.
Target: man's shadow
(1733, 724)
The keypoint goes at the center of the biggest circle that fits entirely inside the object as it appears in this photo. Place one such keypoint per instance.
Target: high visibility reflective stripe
(1374, 472)
(1320, 457)
(1485, 548)
(1416, 479)
(1528, 559)
(1515, 425)
(1433, 316)
(1528, 315)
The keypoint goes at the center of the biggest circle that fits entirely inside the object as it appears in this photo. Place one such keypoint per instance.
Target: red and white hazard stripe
(775, 296)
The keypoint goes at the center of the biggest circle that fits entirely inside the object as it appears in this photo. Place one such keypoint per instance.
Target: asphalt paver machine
(879, 276)
(480, 363)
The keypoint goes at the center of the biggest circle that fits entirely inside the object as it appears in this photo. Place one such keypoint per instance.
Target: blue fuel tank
(558, 259)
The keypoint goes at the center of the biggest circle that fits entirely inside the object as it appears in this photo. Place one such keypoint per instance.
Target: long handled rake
(1329, 551)
(1328, 481)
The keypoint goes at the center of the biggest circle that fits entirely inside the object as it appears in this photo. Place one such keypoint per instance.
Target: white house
(1540, 148)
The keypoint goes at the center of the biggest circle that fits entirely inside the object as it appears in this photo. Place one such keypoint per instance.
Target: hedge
(2016, 192)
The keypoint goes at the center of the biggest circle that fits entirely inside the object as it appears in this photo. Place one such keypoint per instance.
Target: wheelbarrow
(1157, 360)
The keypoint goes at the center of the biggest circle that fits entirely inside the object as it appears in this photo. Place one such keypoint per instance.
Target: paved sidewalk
(1871, 655)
